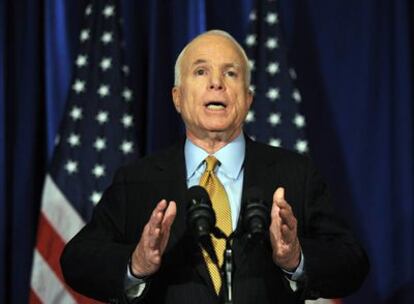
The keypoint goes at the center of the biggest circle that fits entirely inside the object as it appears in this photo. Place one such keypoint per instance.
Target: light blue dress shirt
(229, 170)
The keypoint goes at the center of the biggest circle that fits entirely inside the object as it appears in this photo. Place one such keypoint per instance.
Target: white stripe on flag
(46, 284)
(56, 208)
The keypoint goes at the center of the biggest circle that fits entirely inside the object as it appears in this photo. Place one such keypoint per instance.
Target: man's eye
(200, 72)
(231, 73)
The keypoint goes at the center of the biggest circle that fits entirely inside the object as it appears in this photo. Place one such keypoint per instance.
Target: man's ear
(250, 95)
(176, 96)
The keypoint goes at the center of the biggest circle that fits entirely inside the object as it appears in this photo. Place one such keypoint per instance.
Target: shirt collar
(231, 157)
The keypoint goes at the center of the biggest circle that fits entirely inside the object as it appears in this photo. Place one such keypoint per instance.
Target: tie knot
(211, 163)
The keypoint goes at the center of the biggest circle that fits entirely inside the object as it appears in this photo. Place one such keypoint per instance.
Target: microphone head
(197, 193)
(256, 217)
(201, 218)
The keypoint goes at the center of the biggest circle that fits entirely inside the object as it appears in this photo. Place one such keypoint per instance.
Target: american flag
(97, 135)
(275, 116)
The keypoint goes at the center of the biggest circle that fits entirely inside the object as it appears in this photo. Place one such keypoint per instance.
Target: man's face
(212, 96)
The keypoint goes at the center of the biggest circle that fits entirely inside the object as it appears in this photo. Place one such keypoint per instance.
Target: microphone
(256, 218)
(201, 218)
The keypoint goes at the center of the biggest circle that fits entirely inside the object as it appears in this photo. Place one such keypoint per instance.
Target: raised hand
(147, 256)
(283, 233)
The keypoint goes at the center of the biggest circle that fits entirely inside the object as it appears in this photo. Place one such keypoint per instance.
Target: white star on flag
(84, 35)
(98, 170)
(274, 119)
(271, 18)
(71, 166)
(127, 147)
(76, 113)
(301, 146)
(74, 140)
(251, 64)
(299, 120)
(272, 68)
(127, 120)
(271, 43)
(102, 117)
(296, 95)
(125, 69)
(57, 140)
(79, 86)
(292, 73)
(88, 10)
(103, 90)
(252, 88)
(100, 143)
(95, 197)
(105, 63)
(108, 11)
(272, 94)
(106, 37)
(250, 116)
(251, 40)
(127, 94)
(81, 61)
(275, 142)
(252, 16)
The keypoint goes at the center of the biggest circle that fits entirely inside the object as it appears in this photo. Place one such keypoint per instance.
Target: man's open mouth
(216, 105)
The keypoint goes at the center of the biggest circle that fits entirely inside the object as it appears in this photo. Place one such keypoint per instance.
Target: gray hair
(247, 69)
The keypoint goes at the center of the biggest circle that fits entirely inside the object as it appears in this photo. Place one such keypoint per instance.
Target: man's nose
(216, 82)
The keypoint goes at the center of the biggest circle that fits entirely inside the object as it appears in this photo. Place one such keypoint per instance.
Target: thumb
(279, 195)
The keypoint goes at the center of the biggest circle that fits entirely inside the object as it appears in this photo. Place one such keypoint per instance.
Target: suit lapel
(258, 170)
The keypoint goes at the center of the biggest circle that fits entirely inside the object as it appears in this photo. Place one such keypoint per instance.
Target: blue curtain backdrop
(354, 61)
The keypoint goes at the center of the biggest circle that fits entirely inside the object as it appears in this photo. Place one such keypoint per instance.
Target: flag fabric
(97, 134)
(275, 117)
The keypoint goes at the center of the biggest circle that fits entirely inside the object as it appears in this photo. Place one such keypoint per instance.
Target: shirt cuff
(134, 286)
(299, 272)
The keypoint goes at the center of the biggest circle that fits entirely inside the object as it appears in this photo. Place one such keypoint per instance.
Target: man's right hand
(146, 258)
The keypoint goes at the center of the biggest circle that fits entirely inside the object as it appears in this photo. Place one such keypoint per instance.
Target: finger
(154, 239)
(157, 215)
(288, 218)
(279, 195)
(167, 221)
(169, 215)
(274, 228)
(288, 235)
(154, 225)
(275, 207)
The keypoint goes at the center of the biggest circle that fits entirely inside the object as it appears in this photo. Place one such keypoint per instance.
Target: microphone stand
(227, 274)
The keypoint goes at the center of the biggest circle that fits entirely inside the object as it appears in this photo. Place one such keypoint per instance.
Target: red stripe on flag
(33, 298)
(50, 245)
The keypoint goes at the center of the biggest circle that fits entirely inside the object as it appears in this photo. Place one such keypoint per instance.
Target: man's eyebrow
(199, 61)
(232, 65)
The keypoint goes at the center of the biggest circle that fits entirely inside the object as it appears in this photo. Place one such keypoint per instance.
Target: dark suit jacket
(94, 262)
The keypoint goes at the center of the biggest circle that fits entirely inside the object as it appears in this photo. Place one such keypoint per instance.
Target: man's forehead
(202, 49)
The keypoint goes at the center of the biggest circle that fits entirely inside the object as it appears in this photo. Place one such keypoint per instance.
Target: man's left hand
(283, 233)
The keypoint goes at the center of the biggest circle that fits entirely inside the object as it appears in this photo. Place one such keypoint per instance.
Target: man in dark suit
(136, 248)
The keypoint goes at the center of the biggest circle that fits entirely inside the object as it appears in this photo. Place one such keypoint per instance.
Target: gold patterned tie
(221, 206)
